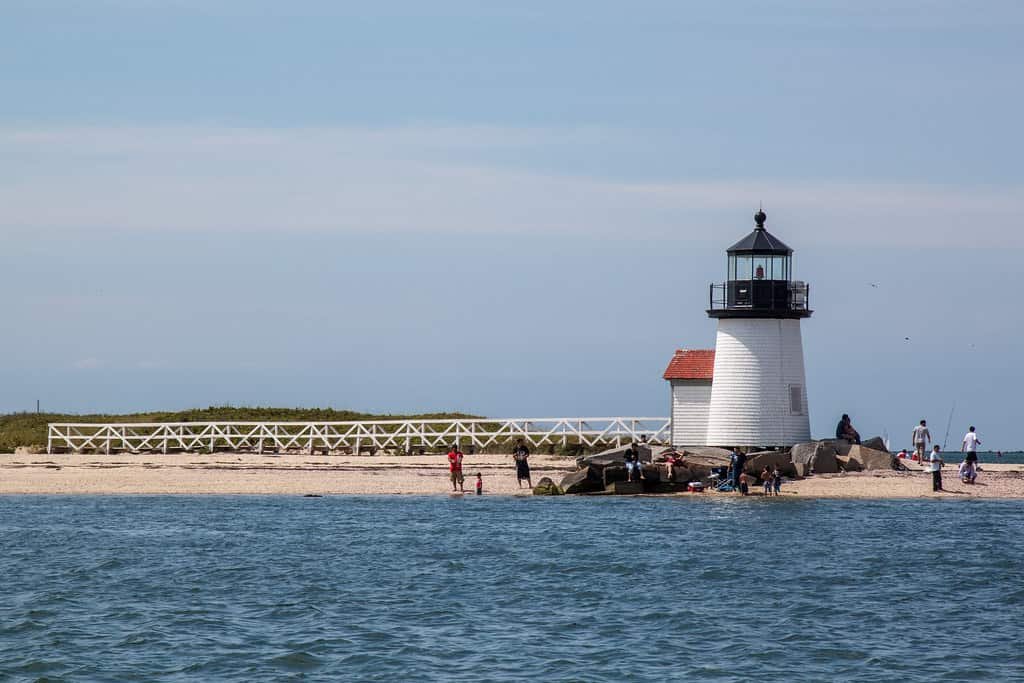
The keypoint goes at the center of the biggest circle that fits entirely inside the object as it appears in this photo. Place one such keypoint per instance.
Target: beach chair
(722, 477)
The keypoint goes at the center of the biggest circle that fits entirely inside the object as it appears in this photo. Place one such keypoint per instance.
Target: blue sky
(504, 210)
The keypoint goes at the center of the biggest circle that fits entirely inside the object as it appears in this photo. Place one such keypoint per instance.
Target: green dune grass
(29, 429)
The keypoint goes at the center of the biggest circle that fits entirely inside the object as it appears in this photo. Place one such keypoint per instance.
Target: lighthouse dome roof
(760, 241)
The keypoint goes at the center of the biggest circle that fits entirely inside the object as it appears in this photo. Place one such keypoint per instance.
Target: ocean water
(985, 457)
(494, 588)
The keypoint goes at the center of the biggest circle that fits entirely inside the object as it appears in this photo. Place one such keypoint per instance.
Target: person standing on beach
(455, 468)
(935, 467)
(521, 455)
(970, 446)
(736, 463)
(921, 437)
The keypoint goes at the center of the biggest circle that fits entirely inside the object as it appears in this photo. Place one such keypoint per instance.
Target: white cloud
(443, 179)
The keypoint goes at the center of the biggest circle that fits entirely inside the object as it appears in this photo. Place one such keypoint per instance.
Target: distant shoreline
(300, 475)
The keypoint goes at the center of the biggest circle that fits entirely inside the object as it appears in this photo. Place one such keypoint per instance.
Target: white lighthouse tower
(758, 396)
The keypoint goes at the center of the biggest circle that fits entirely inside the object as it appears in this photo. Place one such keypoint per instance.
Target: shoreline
(305, 475)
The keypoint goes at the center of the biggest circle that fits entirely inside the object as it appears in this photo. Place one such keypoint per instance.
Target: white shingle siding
(691, 400)
(759, 381)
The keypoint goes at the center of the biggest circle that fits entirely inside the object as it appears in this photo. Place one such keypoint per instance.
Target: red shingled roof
(691, 364)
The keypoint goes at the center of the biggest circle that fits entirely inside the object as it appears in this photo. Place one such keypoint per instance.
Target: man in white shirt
(970, 446)
(935, 464)
(921, 437)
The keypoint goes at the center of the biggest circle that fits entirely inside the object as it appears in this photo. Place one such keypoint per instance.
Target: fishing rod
(949, 422)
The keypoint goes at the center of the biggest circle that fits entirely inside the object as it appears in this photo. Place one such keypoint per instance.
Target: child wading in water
(479, 484)
(777, 480)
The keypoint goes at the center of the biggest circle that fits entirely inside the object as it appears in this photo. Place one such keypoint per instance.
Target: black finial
(759, 218)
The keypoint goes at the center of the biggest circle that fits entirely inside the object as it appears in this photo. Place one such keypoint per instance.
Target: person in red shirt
(455, 468)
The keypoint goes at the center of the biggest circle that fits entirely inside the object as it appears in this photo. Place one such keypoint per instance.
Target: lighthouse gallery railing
(760, 294)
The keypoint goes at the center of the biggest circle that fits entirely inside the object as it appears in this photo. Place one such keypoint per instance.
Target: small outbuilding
(690, 374)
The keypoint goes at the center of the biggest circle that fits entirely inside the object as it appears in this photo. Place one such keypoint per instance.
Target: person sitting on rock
(845, 430)
(632, 462)
(671, 460)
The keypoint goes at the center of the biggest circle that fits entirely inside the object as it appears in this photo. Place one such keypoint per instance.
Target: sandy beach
(227, 473)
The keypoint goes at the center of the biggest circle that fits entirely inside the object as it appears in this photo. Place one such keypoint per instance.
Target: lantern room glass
(759, 267)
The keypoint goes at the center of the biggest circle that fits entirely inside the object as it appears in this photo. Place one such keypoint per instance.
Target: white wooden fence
(399, 436)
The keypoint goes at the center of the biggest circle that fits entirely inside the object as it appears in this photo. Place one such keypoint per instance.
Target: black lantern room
(760, 280)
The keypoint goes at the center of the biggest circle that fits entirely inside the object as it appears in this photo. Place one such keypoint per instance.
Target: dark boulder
(848, 464)
(684, 475)
(546, 487)
(819, 456)
(703, 460)
(787, 469)
(597, 462)
(678, 473)
(841, 446)
(581, 481)
(698, 471)
(875, 443)
(651, 478)
(651, 472)
(803, 453)
(612, 474)
(668, 487)
(613, 456)
(757, 461)
(871, 459)
(709, 452)
(824, 461)
(626, 488)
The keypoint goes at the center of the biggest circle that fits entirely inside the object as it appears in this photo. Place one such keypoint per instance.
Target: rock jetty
(671, 470)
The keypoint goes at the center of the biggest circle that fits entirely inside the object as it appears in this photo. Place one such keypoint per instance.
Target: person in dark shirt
(632, 461)
(845, 430)
(521, 455)
(736, 462)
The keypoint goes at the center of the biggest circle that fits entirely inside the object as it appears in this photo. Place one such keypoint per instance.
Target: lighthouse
(759, 391)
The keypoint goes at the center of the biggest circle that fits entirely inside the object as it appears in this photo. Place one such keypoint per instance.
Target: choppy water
(474, 589)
